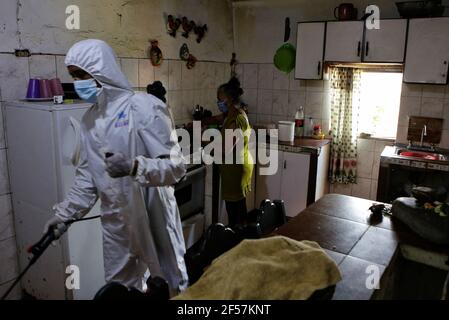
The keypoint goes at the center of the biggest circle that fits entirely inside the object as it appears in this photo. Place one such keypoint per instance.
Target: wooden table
(341, 225)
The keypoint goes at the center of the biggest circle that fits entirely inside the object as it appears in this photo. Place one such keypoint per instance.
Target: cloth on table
(271, 268)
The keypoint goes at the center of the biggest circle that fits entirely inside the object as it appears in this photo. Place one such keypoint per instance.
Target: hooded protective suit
(140, 218)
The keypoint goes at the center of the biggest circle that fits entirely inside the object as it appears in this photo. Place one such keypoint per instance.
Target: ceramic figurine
(173, 25)
(200, 32)
(184, 52)
(155, 53)
(191, 62)
(187, 26)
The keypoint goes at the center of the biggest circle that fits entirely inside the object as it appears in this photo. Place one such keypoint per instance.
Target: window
(380, 95)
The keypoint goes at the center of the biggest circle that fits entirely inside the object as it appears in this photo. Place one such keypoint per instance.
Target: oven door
(189, 192)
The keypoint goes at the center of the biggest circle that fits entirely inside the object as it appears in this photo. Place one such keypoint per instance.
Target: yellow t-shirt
(236, 178)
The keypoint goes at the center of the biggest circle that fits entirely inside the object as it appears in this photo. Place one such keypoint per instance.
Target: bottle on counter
(299, 122)
(309, 127)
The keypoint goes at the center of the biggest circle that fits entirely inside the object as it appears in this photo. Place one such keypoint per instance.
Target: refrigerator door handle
(76, 152)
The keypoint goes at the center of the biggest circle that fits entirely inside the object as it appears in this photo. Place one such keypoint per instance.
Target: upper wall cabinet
(309, 50)
(386, 44)
(427, 54)
(344, 41)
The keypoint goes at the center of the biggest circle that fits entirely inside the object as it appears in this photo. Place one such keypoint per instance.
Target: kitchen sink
(422, 155)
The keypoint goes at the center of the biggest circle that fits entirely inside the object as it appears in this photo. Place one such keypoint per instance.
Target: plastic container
(286, 131)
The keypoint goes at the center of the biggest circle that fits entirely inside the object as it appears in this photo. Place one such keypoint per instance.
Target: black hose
(39, 248)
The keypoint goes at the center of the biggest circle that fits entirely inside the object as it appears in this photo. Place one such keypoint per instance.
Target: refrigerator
(43, 150)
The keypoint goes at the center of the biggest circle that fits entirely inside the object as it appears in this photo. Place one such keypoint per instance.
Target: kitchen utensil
(285, 56)
(33, 91)
(45, 88)
(56, 87)
(420, 9)
(345, 11)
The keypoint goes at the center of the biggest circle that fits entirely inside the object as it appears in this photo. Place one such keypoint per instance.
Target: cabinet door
(427, 54)
(269, 186)
(344, 41)
(386, 44)
(310, 50)
(295, 182)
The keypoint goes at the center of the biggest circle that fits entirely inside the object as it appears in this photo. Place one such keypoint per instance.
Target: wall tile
(340, 188)
(295, 100)
(6, 218)
(365, 144)
(265, 102)
(315, 85)
(187, 78)
(362, 189)
(239, 72)
(281, 81)
(380, 146)
(210, 75)
(174, 75)
(432, 107)
(263, 119)
(373, 193)
(161, 73)
(15, 294)
(252, 117)
(130, 68)
(401, 134)
(4, 179)
(314, 102)
(174, 101)
(2, 129)
(433, 91)
(250, 98)
(61, 70)
(14, 75)
(8, 256)
(42, 66)
(280, 103)
(220, 74)
(444, 139)
(146, 72)
(265, 76)
(446, 114)
(376, 164)
(187, 103)
(410, 106)
(411, 90)
(250, 76)
(296, 85)
(365, 164)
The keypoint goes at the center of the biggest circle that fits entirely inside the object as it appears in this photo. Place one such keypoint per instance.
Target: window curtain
(344, 104)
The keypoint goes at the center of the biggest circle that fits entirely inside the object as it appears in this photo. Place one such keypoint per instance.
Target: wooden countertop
(342, 226)
(306, 142)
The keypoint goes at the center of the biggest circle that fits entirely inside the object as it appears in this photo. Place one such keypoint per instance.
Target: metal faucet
(423, 133)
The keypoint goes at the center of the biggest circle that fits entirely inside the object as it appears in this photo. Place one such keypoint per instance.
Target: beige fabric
(271, 268)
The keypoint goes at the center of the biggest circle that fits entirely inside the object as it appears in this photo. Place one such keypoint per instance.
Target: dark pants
(236, 212)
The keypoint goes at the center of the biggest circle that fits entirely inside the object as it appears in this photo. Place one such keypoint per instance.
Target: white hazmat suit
(139, 215)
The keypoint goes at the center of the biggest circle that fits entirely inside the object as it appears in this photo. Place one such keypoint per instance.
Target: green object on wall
(285, 56)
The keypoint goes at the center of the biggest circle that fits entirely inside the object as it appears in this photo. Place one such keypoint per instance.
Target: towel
(271, 268)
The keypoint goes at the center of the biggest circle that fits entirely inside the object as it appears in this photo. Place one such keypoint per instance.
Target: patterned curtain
(344, 100)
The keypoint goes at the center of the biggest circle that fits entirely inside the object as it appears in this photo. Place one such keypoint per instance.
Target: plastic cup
(45, 88)
(56, 87)
(33, 91)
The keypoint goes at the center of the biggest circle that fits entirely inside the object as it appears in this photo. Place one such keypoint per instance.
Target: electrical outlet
(22, 53)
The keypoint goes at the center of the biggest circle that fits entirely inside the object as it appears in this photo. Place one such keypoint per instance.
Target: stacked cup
(44, 88)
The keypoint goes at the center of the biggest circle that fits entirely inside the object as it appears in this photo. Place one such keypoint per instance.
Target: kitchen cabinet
(344, 41)
(427, 53)
(289, 183)
(309, 50)
(386, 44)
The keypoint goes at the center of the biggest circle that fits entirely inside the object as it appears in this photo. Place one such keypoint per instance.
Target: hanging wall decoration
(173, 25)
(155, 54)
(191, 62)
(200, 31)
(187, 26)
(184, 52)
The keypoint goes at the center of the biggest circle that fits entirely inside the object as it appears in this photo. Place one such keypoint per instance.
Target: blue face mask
(86, 90)
(222, 106)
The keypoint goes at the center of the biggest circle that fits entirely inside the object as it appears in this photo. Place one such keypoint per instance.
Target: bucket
(286, 131)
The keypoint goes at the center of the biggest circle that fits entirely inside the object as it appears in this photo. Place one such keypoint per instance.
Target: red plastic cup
(45, 88)
(56, 87)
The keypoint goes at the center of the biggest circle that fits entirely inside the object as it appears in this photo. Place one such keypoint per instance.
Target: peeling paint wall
(127, 25)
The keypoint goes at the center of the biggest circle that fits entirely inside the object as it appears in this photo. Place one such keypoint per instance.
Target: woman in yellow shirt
(235, 177)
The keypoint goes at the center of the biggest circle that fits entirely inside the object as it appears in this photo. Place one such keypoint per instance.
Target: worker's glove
(118, 165)
(59, 227)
